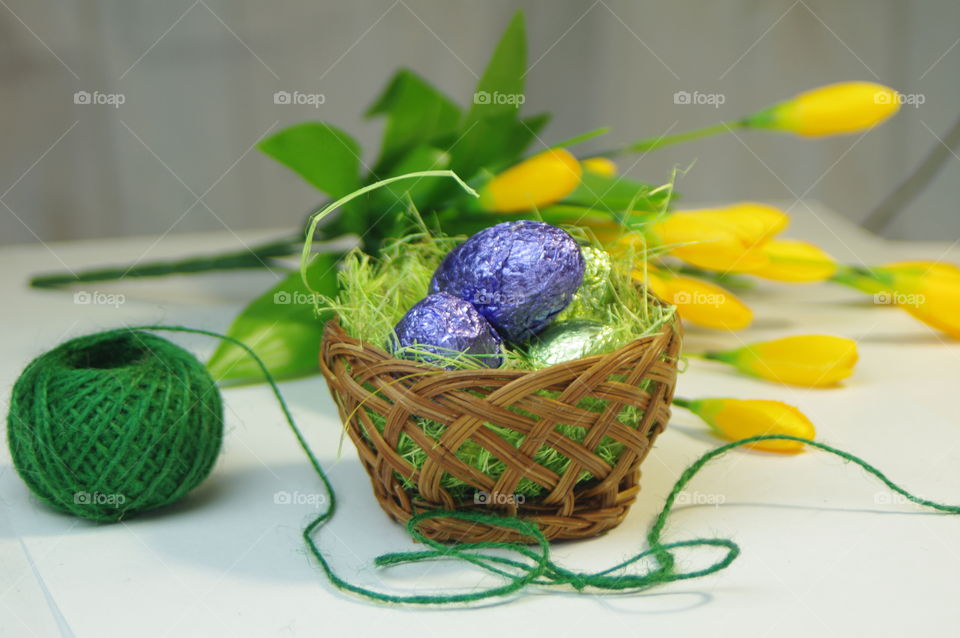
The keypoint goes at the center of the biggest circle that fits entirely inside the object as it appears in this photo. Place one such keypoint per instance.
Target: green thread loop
(530, 564)
(539, 569)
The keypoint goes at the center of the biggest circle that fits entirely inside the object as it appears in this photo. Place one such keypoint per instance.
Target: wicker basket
(369, 385)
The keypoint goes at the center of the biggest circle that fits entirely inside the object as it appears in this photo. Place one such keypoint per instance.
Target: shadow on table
(246, 525)
(244, 522)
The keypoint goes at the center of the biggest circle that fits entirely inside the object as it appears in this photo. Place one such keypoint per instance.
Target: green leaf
(454, 222)
(421, 192)
(495, 143)
(329, 159)
(392, 202)
(492, 134)
(323, 155)
(504, 76)
(616, 194)
(281, 327)
(417, 114)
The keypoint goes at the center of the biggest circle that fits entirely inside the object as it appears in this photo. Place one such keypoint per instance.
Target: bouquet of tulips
(684, 256)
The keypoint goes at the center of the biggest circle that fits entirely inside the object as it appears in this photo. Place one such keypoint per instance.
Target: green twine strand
(531, 564)
(538, 569)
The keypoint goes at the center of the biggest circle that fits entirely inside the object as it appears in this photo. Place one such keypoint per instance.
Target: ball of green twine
(111, 424)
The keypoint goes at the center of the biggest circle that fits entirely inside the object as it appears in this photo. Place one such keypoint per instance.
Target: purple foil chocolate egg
(519, 275)
(450, 327)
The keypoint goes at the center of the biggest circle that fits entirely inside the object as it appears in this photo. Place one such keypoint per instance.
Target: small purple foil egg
(519, 275)
(451, 328)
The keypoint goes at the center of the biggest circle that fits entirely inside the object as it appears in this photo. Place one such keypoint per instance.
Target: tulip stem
(654, 143)
(721, 356)
(862, 279)
(710, 355)
(681, 402)
(261, 256)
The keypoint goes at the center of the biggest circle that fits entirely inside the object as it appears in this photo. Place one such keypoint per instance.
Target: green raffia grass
(376, 293)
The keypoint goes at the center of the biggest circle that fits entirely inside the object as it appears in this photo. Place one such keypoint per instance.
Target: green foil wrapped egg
(568, 340)
(595, 290)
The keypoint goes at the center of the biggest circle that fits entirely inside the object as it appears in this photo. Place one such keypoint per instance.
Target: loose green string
(535, 566)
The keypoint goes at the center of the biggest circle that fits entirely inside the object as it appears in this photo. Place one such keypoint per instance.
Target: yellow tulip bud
(533, 183)
(699, 302)
(701, 240)
(735, 419)
(602, 166)
(835, 109)
(753, 222)
(808, 360)
(795, 261)
(930, 291)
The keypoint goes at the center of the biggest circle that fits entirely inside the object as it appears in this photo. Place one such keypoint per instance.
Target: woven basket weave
(366, 381)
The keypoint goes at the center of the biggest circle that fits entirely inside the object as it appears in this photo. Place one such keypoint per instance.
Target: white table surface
(826, 551)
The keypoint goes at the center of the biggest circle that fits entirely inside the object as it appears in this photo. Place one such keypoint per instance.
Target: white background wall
(199, 77)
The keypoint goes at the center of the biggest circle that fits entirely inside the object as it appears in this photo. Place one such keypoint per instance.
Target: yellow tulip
(930, 291)
(699, 302)
(939, 307)
(735, 419)
(701, 240)
(752, 221)
(905, 276)
(602, 166)
(795, 261)
(835, 109)
(808, 360)
(533, 183)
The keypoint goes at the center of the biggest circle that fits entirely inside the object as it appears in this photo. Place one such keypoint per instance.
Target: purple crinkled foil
(448, 326)
(519, 275)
